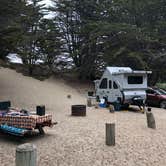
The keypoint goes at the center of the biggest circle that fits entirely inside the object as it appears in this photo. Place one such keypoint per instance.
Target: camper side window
(115, 86)
(110, 84)
(135, 80)
(103, 84)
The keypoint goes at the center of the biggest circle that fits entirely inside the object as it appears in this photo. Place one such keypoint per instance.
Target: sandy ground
(80, 141)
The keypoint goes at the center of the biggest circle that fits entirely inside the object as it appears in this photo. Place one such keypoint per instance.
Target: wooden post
(26, 155)
(89, 102)
(150, 120)
(111, 108)
(41, 130)
(110, 134)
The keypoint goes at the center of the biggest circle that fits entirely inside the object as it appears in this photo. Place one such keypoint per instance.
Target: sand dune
(78, 141)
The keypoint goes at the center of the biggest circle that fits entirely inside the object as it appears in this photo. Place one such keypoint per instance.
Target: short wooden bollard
(26, 155)
(110, 134)
(89, 102)
(150, 120)
(111, 108)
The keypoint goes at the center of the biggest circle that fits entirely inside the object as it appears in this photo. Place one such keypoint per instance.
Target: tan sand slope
(80, 141)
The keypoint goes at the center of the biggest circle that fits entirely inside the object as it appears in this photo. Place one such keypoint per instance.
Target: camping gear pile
(21, 122)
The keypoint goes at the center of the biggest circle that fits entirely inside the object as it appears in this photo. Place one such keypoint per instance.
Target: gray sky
(47, 2)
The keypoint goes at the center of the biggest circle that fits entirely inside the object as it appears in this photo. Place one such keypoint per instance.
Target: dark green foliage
(30, 30)
(10, 11)
(95, 33)
(49, 42)
(77, 21)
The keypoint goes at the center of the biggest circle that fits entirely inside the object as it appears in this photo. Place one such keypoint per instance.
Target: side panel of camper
(135, 81)
(134, 86)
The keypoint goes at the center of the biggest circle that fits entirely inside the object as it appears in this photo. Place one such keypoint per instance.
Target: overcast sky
(47, 2)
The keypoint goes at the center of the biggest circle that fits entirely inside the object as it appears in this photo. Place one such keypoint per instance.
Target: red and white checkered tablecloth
(27, 122)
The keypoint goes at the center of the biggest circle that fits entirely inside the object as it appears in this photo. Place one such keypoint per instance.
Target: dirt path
(77, 141)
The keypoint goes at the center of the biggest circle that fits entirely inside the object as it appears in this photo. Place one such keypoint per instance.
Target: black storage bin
(40, 110)
(4, 105)
(78, 110)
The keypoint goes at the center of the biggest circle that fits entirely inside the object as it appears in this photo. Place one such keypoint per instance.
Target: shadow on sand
(17, 140)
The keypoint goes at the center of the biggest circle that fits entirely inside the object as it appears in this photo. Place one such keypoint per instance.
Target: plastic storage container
(40, 110)
(4, 105)
(102, 103)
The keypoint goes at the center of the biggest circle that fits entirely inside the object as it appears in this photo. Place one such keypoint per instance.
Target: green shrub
(161, 85)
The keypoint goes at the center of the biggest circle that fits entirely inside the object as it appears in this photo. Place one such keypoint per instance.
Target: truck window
(115, 86)
(135, 79)
(103, 84)
(110, 84)
(149, 91)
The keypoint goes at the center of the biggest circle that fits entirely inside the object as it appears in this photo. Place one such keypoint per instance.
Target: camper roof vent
(125, 70)
(118, 70)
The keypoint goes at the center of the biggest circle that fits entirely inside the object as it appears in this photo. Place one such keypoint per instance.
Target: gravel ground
(80, 141)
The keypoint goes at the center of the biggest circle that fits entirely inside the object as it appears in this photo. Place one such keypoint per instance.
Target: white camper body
(122, 84)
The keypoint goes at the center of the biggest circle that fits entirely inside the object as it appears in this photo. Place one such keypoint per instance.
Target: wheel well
(162, 101)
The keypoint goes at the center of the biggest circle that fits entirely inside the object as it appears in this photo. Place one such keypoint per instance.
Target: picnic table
(21, 122)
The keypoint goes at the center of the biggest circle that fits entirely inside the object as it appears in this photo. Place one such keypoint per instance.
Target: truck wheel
(163, 104)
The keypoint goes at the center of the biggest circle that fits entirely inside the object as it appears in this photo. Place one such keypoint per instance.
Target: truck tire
(163, 104)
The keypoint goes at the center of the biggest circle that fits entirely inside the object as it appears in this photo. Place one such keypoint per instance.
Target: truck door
(152, 97)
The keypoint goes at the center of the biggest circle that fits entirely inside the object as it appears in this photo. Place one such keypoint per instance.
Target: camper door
(109, 89)
(114, 90)
(103, 90)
